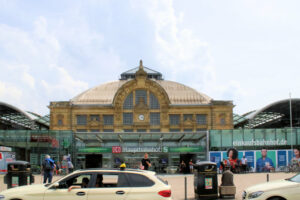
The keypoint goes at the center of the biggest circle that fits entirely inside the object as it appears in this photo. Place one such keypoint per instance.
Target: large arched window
(154, 103)
(128, 103)
(140, 95)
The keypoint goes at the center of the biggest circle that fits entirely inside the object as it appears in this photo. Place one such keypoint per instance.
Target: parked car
(95, 184)
(286, 189)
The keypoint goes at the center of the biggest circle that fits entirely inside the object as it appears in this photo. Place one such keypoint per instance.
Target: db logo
(116, 149)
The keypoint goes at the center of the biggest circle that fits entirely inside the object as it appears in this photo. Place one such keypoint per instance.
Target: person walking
(182, 167)
(70, 166)
(191, 165)
(47, 169)
(146, 162)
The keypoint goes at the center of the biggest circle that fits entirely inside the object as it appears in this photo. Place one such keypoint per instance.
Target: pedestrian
(47, 169)
(70, 166)
(191, 165)
(182, 166)
(146, 162)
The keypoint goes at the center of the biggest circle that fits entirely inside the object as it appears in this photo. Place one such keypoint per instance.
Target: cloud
(28, 79)
(10, 94)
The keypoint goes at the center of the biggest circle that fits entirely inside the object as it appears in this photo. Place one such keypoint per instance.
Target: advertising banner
(95, 150)
(250, 158)
(281, 158)
(215, 157)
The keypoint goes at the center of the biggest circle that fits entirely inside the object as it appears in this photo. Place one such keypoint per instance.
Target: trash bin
(205, 180)
(18, 173)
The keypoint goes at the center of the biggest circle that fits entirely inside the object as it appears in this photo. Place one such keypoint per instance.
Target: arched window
(140, 95)
(154, 103)
(128, 103)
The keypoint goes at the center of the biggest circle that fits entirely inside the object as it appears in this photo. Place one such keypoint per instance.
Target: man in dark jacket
(48, 168)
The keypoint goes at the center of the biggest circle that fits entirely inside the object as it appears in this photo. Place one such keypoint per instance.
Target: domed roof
(178, 94)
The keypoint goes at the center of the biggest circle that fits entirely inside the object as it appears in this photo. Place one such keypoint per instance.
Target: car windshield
(295, 178)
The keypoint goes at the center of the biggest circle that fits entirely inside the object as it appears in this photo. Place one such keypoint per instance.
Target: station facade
(140, 113)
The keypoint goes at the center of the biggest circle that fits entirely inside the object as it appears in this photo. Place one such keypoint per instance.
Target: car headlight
(2, 197)
(255, 194)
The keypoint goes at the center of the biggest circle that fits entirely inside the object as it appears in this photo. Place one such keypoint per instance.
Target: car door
(77, 193)
(141, 187)
(109, 186)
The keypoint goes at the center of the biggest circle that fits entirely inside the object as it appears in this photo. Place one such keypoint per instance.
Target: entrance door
(186, 159)
(93, 161)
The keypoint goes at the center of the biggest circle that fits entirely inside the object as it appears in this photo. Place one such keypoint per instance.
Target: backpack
(48, 165)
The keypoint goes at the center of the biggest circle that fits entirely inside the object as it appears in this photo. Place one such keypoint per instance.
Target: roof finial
(141, 65)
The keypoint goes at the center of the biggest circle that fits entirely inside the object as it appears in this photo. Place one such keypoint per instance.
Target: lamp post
(291, 123)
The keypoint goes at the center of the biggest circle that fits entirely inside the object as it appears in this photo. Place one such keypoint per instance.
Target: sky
(246, 51)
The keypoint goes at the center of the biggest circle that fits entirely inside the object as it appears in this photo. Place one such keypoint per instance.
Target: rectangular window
(154, 104)
(140, 95)
(81, 130)
(155, 130)
(174, 130)
(60, 122)
(81, 119)
(95, 118)
(174, 119)
(108, 130)
(141, 130)
(154, 118)
(127, 118)
(95, 130)
(187, 117)
(108, 119)
(128, 130)
(188, 130)
(201, 119)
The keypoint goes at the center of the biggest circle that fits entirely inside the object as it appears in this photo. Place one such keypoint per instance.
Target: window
(108, 119)
(154, 104)
(174, 130)
(60, 122)
(174, 119)
(95, 118)
(128, 130)
(188, 130)
(128, 103)
(81, 180)
(154, 118)
(222, 121)
(127, 118)
(95, 130)
(187, 117)
(140, 95)
(107, 180)
(137, 180)
(81, 119)
(108, 130)
(81, 130)
(154, 130)
(201, 119)
(141, 130)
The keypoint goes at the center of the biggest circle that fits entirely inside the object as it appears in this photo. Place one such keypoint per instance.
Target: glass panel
(175, 130)
(108, 119)
(201, 119)
(248, 134)
(154, 104)
(128, 103)
(81, 119)
(215, 138)
(108, 130)
(298, 136)
(226, 138)
(270, 134)
(155, 118)
(155, 130)
(291, 135)
(95, 118)
(127, 118)
(174, 119)
(259, 134)
(140, 96)
(280, 134)
(237, 137)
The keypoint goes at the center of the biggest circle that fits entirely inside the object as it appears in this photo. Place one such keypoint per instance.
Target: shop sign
(2, 148)
(185, 149)
(116, 149)
(260, 143)
(95, 150)
(141, 149)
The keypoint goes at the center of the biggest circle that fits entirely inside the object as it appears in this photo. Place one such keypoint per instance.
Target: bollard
(185, 188)
(267, 177)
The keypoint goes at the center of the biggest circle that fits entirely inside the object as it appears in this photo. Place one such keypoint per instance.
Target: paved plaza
(241, 181)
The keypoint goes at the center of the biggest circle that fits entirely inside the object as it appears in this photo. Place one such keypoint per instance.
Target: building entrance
(186, 158)
(93, 161)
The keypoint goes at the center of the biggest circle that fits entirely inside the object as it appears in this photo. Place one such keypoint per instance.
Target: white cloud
(10, 94)
(28, 79)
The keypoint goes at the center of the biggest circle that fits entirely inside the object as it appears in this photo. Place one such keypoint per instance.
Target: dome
(178, 94)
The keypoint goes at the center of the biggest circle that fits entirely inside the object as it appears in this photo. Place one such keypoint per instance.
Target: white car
(286, 189)
(96, 184)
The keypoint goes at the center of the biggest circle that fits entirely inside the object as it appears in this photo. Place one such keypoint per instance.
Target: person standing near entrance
(191, 165)
(146, 162)
(48, 168)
